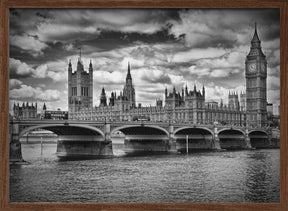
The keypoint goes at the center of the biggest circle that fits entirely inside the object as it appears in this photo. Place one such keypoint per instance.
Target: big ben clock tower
(256, 92)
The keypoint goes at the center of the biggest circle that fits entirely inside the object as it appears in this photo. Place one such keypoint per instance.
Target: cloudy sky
(164, 47)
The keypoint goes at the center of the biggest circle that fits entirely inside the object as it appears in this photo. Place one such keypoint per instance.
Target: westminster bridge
(90, 138)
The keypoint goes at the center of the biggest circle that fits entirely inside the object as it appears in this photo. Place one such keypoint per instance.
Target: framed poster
(143, 106)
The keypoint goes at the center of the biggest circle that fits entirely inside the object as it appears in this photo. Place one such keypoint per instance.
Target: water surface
(231, 176)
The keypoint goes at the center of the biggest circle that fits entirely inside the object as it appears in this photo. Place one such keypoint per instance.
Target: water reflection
(262, 177)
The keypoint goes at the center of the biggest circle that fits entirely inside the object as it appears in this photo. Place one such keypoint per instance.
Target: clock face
(252, 68)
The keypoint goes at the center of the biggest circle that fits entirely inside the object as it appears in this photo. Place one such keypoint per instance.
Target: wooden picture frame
(4, 100)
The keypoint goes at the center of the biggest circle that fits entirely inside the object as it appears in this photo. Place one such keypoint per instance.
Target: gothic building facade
(25, 111)
(186, 106)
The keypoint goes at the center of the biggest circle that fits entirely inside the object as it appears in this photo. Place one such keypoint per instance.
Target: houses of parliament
(184, 106)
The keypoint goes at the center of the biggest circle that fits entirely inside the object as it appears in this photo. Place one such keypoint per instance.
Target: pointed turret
(255, 49)
(112, 99)
(166, 92)
(129, 91)
(255, 40)
(70, 65)
(203, 91)
(186, 90)
(103, 99)
(128, 77)
(44, 107)
(90, 66)
(79, 63)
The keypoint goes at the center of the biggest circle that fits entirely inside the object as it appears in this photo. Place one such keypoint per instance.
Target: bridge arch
(197, 138)
(257, 131)
(140, 129)
(62, 129)
(230, 138)
(233, 129)
(187, 127)
(258, 138)
(144, 138)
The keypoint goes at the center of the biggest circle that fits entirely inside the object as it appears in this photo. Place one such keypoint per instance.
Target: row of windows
(84, 91)
(74, 91)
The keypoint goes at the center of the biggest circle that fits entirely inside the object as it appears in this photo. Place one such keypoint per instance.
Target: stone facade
(189, 107)
(256, 76)
(80, 87)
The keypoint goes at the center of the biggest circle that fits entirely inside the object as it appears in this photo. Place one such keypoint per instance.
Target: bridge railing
(177, 124)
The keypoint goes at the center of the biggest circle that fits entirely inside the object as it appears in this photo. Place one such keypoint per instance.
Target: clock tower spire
(256, 91)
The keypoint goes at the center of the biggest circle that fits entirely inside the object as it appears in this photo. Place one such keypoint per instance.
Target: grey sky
(164, 48)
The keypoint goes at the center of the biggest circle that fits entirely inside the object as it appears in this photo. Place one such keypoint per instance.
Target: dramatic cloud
(29, 43)
(16, 67)
(15, 84)
(27, 92)
(102, 77)
(199, 28)
(165, 48)
(154, 76)
(53, 70)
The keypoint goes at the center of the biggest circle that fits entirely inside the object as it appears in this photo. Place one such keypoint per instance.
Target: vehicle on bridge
(141, 118)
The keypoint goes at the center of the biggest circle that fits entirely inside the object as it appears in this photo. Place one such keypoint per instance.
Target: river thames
(229, 176)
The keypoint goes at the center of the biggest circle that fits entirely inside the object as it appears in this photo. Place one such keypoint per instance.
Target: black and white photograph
(144, 105)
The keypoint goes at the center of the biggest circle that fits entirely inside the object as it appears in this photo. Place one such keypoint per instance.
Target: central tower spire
(129, 91)
(255, 40)
(128, 73)
(255, 49)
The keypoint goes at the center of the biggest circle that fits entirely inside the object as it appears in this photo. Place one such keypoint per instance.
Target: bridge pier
(108, 147)
(216, 140)
(83, 146)
(172, 141)
(15, 151)
(247, 139)
(247, 142)
(216, 143)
